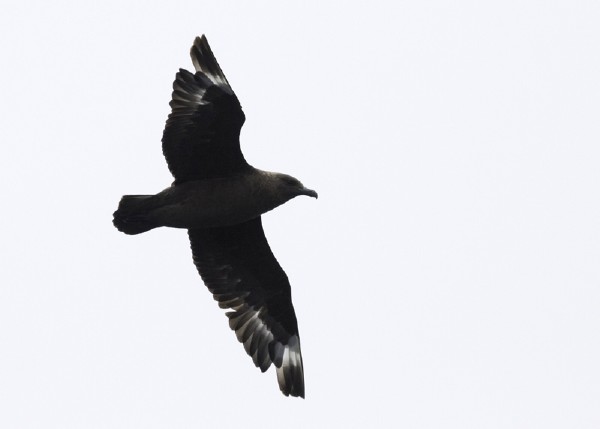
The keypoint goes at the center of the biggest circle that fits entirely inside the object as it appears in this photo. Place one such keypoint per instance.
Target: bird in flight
(219, 198)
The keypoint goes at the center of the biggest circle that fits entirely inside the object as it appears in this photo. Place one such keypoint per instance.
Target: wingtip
(205, 62)
(199, 41)
(290, 373)
(294, 388)
(199, 48)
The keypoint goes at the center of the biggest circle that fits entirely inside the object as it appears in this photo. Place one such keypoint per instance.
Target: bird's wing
(201, 137)
(238, 267)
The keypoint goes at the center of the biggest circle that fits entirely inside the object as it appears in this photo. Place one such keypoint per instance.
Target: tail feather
(131, 215)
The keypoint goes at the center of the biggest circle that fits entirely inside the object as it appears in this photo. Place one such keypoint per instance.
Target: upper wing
(240, 270)
(201, 137)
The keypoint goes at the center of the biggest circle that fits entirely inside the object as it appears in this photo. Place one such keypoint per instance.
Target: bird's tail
(131, 215)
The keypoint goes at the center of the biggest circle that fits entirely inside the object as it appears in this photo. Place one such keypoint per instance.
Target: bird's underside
(201, 145)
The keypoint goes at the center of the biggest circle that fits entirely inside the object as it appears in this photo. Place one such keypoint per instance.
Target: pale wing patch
(251, 331)
(187, 94)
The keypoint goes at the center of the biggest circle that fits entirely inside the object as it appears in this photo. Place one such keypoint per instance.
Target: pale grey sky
(447, 277)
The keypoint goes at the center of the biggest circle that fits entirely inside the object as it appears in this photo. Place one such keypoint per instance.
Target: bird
(219, 198)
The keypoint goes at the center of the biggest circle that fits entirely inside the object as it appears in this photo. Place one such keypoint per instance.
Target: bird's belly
(204, 206)
(192, 215)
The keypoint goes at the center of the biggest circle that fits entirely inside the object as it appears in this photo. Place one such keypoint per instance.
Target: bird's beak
(309, 192)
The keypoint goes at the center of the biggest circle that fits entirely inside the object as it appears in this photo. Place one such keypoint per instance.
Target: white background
(447, 277)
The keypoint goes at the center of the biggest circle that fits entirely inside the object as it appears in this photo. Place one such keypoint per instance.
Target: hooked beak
(308, 192)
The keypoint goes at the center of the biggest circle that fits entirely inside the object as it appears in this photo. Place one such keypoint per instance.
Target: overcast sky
(448, 275)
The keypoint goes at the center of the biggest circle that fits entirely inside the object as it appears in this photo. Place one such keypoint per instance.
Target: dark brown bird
(219, 198)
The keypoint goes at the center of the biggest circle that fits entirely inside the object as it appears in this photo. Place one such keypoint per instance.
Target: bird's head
(290, 187)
